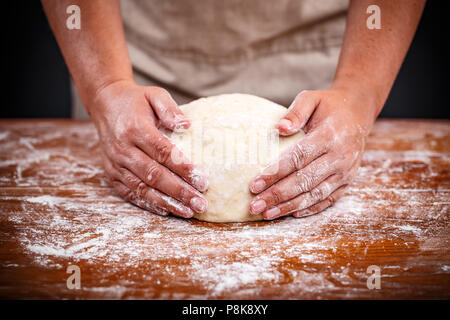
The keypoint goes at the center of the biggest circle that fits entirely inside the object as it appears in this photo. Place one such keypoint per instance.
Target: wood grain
(56, 210)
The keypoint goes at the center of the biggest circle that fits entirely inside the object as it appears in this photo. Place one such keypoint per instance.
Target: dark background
(37, 80)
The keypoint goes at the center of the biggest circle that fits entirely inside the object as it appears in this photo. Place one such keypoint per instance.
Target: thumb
(298, 113)
(167, 109)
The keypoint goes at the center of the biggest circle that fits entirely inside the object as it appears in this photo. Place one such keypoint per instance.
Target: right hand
(138, 157)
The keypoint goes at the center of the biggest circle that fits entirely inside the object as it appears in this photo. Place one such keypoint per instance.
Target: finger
(130, 196)
(322, 205)
(144, 196)
(298, 113)
(162, 150)
(166, 109)
(136, 191)
(305, 200)
(294, 184)
(293, 159)
(162, 179)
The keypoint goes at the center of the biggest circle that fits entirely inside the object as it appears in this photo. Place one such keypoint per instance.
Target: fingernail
(258, 186)
(302, 213)
(180, 122)
(181, 126)
(178, 118)
(257, 206)
(188, 213)
(199, 182)
(272, 213)
(286, 124)
(198, 204)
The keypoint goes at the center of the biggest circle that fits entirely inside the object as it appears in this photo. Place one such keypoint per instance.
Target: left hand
(313, 173)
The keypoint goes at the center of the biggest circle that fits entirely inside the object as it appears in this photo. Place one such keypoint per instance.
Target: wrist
(100, 100)
(100, 95)
(368, 97)
(105, 86)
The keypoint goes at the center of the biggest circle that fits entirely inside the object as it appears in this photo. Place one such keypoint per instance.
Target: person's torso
(205, 47)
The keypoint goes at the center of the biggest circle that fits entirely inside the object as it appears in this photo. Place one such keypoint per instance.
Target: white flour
(74, 217)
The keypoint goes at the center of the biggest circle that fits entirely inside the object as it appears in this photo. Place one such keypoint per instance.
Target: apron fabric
(273, 49)
(269, 48)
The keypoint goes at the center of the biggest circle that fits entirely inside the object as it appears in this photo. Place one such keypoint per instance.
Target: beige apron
(270, 48)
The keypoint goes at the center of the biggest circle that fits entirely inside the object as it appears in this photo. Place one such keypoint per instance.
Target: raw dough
(231, 139)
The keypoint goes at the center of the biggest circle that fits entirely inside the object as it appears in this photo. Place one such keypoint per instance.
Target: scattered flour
(69, 215)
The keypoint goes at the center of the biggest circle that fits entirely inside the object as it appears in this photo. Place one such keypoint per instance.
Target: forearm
(96, 54)
(371, 59)
(315, 171)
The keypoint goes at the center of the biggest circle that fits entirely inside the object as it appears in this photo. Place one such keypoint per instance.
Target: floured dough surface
(231, 139)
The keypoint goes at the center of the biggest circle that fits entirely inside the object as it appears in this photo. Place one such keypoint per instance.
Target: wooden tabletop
(57, 210)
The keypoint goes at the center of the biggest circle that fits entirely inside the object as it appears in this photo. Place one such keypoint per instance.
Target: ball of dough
(231, 139)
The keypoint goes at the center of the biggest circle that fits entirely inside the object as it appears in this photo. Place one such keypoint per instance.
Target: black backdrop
(37, 81)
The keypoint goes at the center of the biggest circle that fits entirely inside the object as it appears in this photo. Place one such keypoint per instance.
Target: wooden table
(57, 210)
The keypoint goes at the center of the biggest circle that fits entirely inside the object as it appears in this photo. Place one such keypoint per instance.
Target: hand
(138, 157)
(313, 173)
